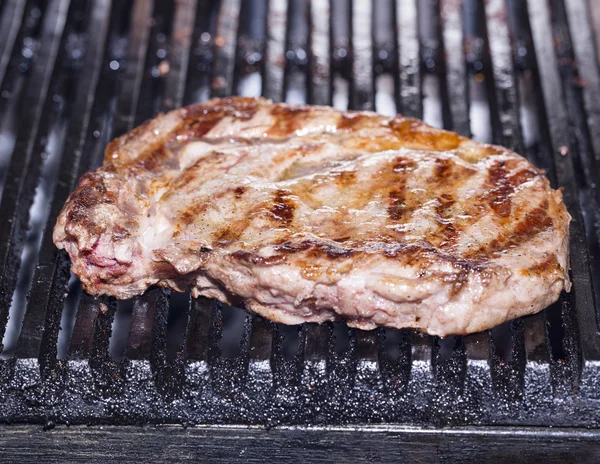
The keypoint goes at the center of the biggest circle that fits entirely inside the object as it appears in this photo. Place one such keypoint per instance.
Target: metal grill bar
(319, 89)
(455, 69)
(408, 95)
(9, 27)
(179, 55)
(201, 342)
(80, 346)
(362, 88)
(225, 48)
(582, 35)
(275, 50)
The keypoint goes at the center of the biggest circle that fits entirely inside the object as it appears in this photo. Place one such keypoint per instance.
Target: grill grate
(75, 74)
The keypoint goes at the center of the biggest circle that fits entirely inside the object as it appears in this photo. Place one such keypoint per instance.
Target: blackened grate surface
(76, 73)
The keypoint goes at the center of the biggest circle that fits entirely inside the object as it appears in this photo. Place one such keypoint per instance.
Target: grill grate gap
(177, 324)
(120, 329)
(67, 321)
(234, 321)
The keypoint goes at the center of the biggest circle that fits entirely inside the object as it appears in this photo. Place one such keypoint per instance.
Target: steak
(309, 214)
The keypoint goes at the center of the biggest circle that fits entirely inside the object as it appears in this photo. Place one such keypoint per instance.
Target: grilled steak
(308, 214)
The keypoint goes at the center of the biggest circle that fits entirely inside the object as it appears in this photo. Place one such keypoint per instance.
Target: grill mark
(344, 178)
(190, 214)
(91, 194)
(198, 127)
(154, 160)
(402, 164)
(521, 177)
(548, 266)
(282, 208)
(315, 249)
(417, 133)
(499, 197)
(229, 234)
(423, 250)
(287, 120)
(536, 221)
(239, 191)
(443, 168)
(349, 121)
(252, 258)
(200, 119)
(114, 148)
(397, 207)
(448, 229)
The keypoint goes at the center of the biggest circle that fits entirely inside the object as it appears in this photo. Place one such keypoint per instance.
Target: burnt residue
(448, 229)
(239, 191)
(313, 248)
(402, 164)
(91, 193)
(499, 197)
(282, 207)
(503, 185)
(397, 204)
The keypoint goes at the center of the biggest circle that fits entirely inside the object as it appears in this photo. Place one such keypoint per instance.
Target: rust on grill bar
(75, 74)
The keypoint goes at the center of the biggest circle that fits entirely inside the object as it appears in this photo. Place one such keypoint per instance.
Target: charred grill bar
(76, 73)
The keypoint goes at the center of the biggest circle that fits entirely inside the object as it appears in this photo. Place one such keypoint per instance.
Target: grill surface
(75, 74)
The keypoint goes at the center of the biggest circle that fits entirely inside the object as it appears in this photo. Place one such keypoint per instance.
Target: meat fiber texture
(309, 214)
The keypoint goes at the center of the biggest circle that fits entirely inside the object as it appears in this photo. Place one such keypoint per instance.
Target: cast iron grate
(76, 73)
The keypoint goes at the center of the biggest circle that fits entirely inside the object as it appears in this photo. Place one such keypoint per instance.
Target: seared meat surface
(308, 214)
